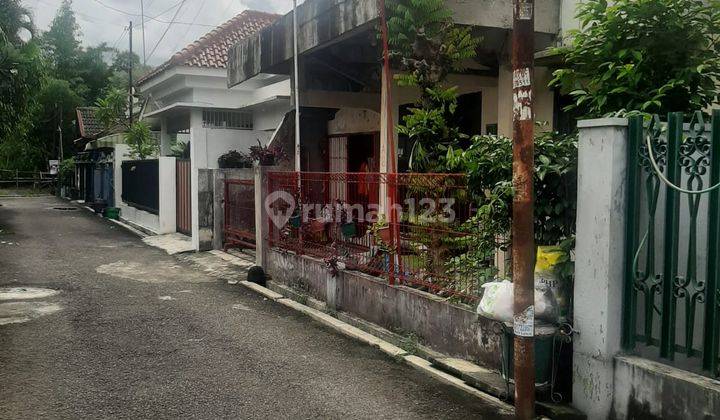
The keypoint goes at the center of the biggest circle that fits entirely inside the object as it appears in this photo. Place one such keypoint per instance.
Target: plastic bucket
(544, 338)
(112, 213)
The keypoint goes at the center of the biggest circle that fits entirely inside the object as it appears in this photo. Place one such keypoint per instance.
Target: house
(341, 88)
(93, 165)
(188, 101)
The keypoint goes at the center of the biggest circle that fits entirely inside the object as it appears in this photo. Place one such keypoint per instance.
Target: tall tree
(62, 43)
(14, 20)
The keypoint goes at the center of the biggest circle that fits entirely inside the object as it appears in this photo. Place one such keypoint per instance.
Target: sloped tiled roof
(211, 51)
(88, 123)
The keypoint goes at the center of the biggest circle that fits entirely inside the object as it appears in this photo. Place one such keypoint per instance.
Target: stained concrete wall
(206, 204)
(650, 390)
(443, 327)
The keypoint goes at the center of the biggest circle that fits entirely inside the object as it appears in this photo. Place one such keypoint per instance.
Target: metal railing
(672, 291)
(347, 217)
(15, 178)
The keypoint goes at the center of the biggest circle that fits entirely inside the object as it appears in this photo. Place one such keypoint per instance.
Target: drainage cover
(25, 293)
(65, 208)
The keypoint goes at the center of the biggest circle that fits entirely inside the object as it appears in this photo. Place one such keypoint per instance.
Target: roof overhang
(319, 21)
(260, 103)
(322, 23)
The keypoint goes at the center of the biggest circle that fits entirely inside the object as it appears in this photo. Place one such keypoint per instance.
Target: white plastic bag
(497, 302)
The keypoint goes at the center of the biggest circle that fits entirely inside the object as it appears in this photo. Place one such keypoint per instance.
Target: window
(232, 120)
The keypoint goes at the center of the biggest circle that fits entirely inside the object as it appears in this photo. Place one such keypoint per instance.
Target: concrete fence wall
(607, 383)
(165, 220)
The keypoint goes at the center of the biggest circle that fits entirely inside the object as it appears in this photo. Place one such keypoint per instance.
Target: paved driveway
(135, 333)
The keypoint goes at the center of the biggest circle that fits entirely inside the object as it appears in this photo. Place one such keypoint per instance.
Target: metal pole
(130, 75)
(298, 164)
(523, 235)
(61, 152)
(142, 16)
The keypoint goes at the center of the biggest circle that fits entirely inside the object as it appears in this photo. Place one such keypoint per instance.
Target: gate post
(600, 255)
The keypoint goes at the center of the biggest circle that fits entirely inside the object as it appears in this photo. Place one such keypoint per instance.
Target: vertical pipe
(523, 235)
(672, 223)
(635, 136)
(712, 321)
(296, 78)
(130, 74)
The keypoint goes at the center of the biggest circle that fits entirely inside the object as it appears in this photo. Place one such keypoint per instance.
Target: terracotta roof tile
(88, 123)
(211, 51)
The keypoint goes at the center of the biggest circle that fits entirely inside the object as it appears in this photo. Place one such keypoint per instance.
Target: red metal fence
(424, 243)
(239, 228)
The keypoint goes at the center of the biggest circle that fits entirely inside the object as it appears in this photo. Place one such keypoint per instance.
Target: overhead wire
(157, 44)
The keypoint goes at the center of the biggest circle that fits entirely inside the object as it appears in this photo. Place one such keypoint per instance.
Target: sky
(100, 23)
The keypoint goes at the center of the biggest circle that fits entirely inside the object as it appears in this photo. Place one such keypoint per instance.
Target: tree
(94, 72)
(112, 113)
(62, 43)
(427, 45)
(14, 19)
(651, 56)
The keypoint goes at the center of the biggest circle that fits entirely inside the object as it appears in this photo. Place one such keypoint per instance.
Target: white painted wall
(167, 215)
(354, 120)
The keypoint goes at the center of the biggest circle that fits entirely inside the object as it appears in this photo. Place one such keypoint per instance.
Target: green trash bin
(112, 213)
(544, 339)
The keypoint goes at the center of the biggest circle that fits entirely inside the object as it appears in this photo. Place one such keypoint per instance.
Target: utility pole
(523, 234)
(130, 70)
(60, 135)
(142, 16)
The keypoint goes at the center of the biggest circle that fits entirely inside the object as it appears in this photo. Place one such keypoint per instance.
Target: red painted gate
(183, 201)
(239, 213)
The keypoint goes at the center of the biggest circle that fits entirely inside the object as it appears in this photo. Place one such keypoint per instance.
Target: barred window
(234, 120)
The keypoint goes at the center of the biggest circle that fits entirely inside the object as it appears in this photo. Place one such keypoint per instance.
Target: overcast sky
(100, 23)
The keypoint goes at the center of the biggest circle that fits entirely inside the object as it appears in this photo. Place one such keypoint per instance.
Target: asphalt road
(135, 333)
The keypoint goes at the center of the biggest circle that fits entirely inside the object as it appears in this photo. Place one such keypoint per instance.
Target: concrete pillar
(600, 256)
(504, 102)
(386, 130)
(165, 142)
(167, 212)
(198, 159)
(261, 214)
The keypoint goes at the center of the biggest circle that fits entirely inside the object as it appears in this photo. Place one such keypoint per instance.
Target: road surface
(135, 333)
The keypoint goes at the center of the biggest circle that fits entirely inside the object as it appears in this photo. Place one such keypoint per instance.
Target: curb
(388, 348)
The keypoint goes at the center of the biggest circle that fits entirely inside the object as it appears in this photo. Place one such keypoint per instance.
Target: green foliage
(235, 159)
(66, 173)
(141, 142)
(21, 73)
(652, 56)
(111, 110)
(488, 163)
(62, 44)
(14, 20)
(181, 150)
(427, 45)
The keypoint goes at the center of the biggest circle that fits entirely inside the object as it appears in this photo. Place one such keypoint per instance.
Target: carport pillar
(198, 159)
(165, 141)
(387, 129)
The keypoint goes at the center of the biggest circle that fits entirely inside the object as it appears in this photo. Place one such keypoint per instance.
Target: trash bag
(498, 297)
(547, 278)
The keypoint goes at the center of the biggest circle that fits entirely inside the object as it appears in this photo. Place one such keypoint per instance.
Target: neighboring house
(93, 165)
(188, 99)
(341, 79)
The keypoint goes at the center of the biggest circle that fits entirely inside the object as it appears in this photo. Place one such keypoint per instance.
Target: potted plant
(380, 230)
(347, 226)
(267, 155)
(234, 159)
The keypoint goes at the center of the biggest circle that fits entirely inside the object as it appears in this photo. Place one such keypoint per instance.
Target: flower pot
(295, 221)
(385, 235)
(349, 230)
(316, 226)
(267, 161)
